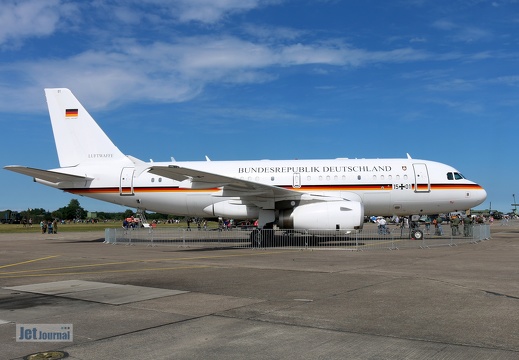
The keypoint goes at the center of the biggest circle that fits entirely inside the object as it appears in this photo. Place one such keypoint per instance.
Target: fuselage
(334, 194)
(383, 186)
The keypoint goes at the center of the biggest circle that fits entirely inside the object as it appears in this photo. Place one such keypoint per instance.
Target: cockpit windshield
(454, 176)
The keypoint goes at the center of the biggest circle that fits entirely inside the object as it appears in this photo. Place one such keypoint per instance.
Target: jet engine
(233, 209)
(326, 215)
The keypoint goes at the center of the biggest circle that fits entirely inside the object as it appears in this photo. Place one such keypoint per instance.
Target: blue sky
(266, 79)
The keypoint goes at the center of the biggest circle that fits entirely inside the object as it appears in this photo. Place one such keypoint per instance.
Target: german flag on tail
(70, 113)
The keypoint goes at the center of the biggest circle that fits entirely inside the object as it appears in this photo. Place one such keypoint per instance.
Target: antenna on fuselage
(408, 156)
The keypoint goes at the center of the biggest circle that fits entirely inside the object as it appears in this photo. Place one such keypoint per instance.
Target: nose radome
(480, 196)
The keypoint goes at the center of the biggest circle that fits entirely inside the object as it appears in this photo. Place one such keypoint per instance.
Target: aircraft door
(126, 183)
(296, 181)
(421, 178)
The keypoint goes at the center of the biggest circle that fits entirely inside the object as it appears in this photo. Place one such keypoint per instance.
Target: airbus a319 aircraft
(308, 195)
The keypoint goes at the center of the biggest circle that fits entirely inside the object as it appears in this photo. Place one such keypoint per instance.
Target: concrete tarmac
(136, 302)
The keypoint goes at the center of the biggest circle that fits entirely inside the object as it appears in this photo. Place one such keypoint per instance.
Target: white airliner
(332, 194)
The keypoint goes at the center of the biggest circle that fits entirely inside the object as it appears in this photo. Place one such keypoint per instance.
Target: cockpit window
(454, 176)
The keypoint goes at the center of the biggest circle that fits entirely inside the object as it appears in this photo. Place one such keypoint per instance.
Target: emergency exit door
(421, 178)
(126, 183)
(296, 183)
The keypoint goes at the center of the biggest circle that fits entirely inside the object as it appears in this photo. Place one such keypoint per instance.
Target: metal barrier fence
(366, 239)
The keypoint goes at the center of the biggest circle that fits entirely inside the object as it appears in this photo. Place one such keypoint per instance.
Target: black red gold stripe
(353, 188)
(71, 112)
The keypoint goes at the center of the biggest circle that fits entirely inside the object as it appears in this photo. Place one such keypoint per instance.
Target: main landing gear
(416, 234)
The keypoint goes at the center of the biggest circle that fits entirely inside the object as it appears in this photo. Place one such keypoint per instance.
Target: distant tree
(156, 216)
(128, 213)
(57, 214)
(36, 215)
(72, 211)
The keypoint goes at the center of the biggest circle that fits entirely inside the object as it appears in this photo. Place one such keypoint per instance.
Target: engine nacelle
(232, 209)
(326, 215)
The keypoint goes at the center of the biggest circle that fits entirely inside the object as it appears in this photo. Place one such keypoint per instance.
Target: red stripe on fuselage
(375, 187)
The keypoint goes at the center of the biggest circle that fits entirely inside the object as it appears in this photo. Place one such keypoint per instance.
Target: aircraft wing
(47, 175)
(231, 186)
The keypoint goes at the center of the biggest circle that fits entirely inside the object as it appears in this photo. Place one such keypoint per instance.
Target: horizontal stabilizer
(47, 175)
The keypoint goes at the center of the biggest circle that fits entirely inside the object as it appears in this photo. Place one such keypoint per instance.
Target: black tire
(417, 235)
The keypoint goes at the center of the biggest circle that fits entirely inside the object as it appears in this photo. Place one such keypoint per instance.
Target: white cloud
(461, 33)
(30, 18)
(444, 25)
(210, 11)
(272, 33)
(468, 107)
(203, 11)
(106, 67)
(452, 85)
(178, 71)
(418, 40)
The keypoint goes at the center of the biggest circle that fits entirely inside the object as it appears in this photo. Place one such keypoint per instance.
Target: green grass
(84, 227)
(19, 228)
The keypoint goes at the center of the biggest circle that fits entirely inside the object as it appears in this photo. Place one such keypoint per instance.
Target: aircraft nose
(480, 196)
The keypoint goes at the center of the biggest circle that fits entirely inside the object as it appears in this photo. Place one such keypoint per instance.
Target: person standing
(428, 225)
(455, 222)
(467, 226)
(438, 230)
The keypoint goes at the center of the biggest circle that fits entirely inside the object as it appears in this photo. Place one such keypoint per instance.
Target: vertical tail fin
(78, 137)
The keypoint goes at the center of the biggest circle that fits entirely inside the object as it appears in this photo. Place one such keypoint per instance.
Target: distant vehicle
(10, 217)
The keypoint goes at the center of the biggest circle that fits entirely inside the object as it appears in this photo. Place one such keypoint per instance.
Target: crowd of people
(459, 224)
(50, 227)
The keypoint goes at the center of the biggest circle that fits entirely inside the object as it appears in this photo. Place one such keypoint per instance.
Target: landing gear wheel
(417, 235)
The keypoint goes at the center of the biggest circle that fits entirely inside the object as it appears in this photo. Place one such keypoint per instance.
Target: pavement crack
(500, 294)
